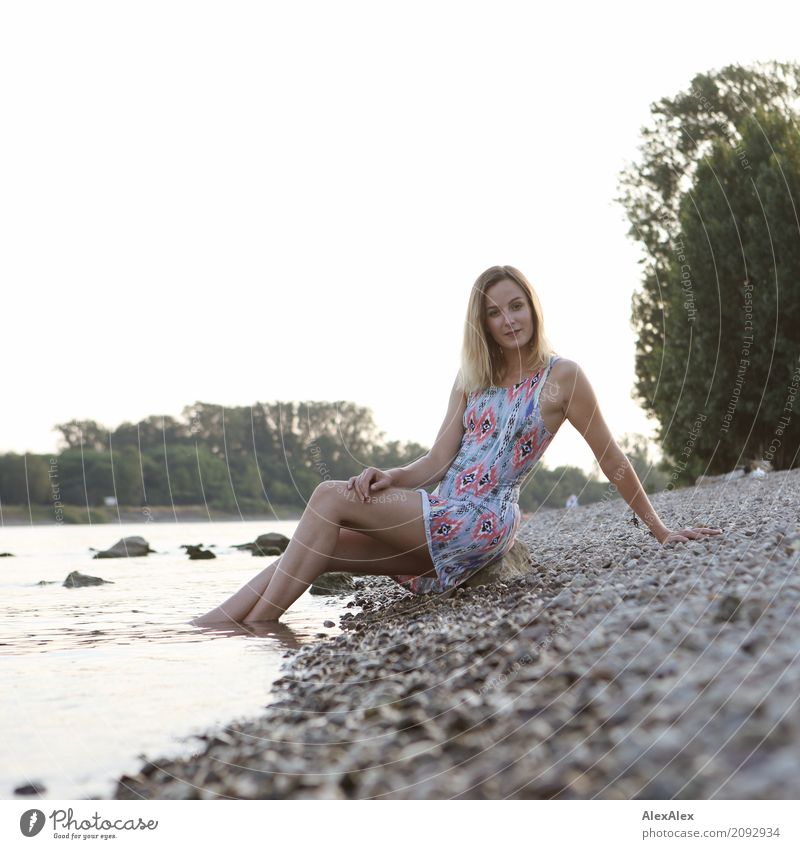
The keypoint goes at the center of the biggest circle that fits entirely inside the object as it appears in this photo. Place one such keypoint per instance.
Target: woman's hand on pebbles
(370, 480)
(686, 534)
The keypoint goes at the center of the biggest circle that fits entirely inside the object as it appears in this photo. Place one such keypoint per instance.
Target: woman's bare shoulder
(562, 381)
(564, 367)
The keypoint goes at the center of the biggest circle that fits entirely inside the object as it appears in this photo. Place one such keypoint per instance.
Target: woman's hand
(686, 534)
(370, 480)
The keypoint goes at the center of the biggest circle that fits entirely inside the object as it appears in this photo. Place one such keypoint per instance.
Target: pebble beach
(616, 669)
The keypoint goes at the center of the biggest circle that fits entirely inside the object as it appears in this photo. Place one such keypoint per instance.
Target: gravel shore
(618, 669)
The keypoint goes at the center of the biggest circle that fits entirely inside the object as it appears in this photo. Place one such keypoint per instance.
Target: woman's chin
(513, 343)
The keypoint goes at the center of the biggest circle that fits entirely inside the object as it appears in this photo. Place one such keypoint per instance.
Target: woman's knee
(329, 490)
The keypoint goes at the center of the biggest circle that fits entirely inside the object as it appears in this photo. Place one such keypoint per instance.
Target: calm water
(92, 677)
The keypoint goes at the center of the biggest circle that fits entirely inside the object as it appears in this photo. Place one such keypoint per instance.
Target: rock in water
(78, 579)
(273, 539)
(126, 547)
(267, 545)
(515, 563)
(197, 552)
(333, 583)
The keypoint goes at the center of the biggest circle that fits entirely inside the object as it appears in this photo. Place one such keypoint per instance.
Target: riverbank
(618, 669)
(71, 514)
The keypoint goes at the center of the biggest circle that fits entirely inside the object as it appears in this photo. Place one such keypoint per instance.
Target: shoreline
(16, 515)
(617, 669)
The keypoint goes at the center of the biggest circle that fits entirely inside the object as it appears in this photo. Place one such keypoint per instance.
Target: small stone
(31, 788)
(729, 609)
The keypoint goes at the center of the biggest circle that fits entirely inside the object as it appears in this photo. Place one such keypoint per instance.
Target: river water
(96, 678)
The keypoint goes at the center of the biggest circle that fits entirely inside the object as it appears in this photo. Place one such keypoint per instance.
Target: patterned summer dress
(472, 517)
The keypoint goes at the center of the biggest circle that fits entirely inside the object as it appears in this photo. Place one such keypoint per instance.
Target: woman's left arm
(583, 412)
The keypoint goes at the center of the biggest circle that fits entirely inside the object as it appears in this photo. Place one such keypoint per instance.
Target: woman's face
(506, 309)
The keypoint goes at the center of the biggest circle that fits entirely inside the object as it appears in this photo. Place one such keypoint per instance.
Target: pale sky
(248, 202)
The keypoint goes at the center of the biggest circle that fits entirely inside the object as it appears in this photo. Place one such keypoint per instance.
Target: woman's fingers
(694, 533)
(687, 534)
(364, 484)
(353, 484)
(675, 537)
(703, 531)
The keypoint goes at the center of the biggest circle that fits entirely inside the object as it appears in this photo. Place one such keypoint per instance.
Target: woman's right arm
(432, 467)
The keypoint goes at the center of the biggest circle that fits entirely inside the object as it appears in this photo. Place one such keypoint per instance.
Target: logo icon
(31, 822)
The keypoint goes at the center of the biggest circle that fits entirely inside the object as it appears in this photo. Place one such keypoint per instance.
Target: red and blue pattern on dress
(472, 517)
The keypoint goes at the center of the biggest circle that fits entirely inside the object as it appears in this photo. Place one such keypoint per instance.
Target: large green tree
(715, 205)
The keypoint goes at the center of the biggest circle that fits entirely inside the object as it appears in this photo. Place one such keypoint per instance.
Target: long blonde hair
(481, 358)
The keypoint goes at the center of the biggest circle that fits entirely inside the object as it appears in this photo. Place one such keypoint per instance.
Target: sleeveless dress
(472, 517)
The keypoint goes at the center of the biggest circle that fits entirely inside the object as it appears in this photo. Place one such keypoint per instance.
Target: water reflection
(100, 673)
(279, 632)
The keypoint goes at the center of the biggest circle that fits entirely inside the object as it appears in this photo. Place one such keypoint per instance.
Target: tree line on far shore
(247, 460)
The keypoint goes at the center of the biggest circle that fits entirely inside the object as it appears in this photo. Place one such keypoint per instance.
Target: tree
(24, 479)
(714, 204)
(636, 448)
(86, 434)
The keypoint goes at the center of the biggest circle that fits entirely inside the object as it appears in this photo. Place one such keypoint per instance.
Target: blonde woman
(511, 395)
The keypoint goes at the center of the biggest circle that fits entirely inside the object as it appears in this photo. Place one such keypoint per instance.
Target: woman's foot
(209, 619)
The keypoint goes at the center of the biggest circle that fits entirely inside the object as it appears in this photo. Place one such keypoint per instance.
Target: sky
(237, 202)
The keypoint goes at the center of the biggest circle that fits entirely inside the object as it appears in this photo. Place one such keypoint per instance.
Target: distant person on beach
(509, 398)
(572, 501)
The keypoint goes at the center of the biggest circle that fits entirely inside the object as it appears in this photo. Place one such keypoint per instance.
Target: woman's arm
(584, 414)
(421, 472)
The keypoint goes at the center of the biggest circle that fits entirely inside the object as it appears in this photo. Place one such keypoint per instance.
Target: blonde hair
(481, 358)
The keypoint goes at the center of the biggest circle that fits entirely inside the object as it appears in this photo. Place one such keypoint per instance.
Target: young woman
(509, 398)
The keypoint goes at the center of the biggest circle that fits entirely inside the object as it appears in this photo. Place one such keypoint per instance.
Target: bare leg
(356, 552)
(241, 602)
(305, 559)
(403, 550)
(394, 518)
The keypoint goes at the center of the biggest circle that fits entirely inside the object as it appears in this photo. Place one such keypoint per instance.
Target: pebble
(618, 669)
(31, 788)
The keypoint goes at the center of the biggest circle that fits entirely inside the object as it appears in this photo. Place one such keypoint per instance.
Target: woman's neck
(519, 370)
